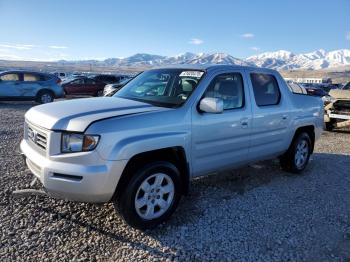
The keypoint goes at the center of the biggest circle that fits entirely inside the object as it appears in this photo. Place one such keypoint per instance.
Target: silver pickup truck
(140, 148)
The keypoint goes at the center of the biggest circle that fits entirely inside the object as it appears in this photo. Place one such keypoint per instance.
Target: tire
(45, 97)
(137, 191)
(297, 157)
(329, 126)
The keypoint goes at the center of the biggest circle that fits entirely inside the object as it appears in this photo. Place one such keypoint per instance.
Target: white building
(309, 80)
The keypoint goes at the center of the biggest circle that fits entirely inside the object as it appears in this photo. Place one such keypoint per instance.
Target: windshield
(162, 87)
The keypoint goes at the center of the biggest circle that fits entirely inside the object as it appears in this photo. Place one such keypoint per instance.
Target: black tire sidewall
(329, 126)
(126, 202)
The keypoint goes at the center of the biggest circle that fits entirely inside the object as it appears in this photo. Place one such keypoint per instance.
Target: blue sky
(77, 29)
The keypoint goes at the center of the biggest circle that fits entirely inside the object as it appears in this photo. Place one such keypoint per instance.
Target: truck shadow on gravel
(232, 184)
(216, 187)
(210, 192)
(341, 131)
(15, 105)
(102, 229)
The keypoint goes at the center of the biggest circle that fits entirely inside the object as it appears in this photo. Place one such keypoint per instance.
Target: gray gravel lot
(250, 214)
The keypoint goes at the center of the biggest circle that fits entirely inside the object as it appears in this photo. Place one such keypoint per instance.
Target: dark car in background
(111, 89)
(33, 86)
(109, 79)
(316, 91)
(83, 86)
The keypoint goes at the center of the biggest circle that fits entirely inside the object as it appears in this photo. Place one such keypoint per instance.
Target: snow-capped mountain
(280, 60)
(217, 58)
(142, 59)
(185, 58)
(319, 59)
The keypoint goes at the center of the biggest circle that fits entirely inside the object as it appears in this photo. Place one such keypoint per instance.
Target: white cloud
(348, 36)
(196, 41)
(255, 48)
(58, 47)
(18, 46)
(6, 56)
(248, 35)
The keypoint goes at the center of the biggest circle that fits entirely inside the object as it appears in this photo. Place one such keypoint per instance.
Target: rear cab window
(266, 89)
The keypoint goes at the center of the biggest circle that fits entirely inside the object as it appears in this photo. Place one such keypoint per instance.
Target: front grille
(342, 106)
(37, 137)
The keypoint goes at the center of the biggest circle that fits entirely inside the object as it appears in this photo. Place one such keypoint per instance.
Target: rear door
(92, 86)
(10, 85)
(271, 116)
(221, 141)
(32, 83)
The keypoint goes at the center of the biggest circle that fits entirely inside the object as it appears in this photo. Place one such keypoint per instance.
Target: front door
(222, 140)
(10, 85)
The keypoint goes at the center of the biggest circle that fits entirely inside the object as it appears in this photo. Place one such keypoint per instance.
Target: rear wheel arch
(310, 130)
(174, 155)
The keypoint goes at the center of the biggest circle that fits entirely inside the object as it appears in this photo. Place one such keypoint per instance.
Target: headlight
(73, 142)
(328, 99)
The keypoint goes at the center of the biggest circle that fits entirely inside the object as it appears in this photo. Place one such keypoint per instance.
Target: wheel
(45, 97)
(297, 157)
(329, 126)
(151, 196)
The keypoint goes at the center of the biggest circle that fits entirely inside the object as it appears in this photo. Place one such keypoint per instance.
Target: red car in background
(83, 86)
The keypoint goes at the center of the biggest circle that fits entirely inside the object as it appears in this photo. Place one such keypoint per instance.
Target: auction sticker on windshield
(196, 74)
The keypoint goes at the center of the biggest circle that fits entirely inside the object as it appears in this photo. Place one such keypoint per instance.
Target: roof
(23, 71)
(213, 66)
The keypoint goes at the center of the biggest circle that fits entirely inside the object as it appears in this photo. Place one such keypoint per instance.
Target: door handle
(284, 117)
(244, 123)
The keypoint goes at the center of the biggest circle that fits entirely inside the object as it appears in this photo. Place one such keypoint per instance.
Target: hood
(76, 115)
(340, 94)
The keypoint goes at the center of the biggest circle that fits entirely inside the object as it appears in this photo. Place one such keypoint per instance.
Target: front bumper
(76, 181)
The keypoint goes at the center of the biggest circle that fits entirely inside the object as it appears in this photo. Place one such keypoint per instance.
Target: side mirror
(211, 105)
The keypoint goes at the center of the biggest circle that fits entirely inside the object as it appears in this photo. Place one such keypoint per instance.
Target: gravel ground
(254, 213)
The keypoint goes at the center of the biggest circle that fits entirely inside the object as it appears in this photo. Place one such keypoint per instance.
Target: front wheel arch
(175, 155)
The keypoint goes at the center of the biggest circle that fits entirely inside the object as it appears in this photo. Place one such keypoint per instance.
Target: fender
(128, 147)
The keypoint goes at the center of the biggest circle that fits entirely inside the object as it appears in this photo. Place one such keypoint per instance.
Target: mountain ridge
(279, 60)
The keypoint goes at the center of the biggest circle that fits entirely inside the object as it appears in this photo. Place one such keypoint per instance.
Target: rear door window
(79, 81)
(266, 90)
(10, 77)
(29, 77)
(90, 82)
